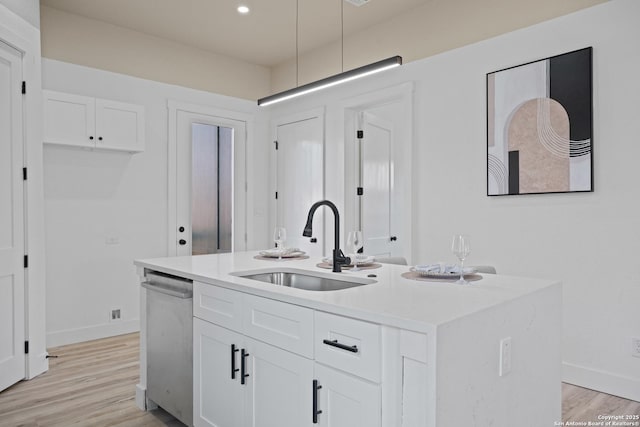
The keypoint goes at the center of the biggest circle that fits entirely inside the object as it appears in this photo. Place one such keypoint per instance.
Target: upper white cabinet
(87, 122)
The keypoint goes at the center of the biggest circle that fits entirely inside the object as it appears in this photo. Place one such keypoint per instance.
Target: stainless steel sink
(303, 280)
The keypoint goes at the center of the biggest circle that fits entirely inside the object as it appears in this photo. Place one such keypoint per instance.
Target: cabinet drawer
(218, 305)
(347, 344)
(282, 325)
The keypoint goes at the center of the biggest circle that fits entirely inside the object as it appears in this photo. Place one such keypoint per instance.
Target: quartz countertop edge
(393, 300)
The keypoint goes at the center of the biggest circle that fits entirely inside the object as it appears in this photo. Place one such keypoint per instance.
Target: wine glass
(280, 236)
(355, 243)
(460, 248)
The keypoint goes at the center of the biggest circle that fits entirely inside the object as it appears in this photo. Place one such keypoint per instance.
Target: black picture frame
(540, 126)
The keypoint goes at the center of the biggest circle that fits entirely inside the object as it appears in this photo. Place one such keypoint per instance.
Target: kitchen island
(396, 352)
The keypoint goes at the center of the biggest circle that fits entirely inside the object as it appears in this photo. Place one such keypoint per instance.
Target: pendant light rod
(337, 79)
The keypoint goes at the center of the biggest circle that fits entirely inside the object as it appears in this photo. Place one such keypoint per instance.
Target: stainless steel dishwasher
(170, 344)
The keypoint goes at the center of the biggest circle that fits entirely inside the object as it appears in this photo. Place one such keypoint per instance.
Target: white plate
(363, 261)
(276, 253)
(445, 275)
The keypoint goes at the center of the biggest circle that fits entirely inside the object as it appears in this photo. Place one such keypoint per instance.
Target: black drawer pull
(234, 350)
(316, 412)
(335, 343)
(243, 367)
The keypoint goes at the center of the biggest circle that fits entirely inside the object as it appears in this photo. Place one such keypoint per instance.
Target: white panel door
(347, 401)
(218, 398)
(279, 392)
(377, 182)
(300, 182)
(186, 122)
(12, 327)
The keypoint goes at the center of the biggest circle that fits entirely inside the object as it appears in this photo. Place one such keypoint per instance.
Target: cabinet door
(347, 401)
(68, 119)
(279, 392)
(217, 397)
(119, 126)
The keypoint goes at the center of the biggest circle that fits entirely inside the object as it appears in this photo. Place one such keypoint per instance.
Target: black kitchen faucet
(338, 257)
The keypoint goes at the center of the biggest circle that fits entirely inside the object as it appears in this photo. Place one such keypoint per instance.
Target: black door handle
(316, 412)
(234, 350)
(393, 238)
(243, 367)
(182, 242)
(335, 343)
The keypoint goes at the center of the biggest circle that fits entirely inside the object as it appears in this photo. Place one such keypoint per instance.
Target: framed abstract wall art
(540, 126)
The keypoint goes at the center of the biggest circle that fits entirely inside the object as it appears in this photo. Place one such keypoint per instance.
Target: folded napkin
(280, 251)
(442, 268)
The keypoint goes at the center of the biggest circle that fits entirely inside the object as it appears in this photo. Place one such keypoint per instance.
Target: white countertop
(393, 300)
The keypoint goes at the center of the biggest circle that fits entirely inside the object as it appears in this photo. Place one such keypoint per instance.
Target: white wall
(591, 241)
(91, 195)
(29, 10)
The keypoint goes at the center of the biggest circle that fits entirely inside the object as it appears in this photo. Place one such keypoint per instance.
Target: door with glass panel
(12, 304)
(210, 184)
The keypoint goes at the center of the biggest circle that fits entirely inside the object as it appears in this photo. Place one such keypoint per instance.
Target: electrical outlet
(635, 347)
(115, 315)
(505, 356)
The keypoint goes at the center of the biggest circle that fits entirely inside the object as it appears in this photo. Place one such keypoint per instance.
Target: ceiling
(266, 36)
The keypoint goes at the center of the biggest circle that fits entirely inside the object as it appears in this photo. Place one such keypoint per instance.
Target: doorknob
(393, 238)
(182, 242)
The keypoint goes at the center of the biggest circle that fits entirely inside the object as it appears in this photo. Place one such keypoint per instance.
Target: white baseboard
(72, 336)
(606, 382)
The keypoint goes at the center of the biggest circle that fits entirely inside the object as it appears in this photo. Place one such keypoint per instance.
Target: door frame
(174, 107)
(25, 38)
(318, 112)
(351, 107)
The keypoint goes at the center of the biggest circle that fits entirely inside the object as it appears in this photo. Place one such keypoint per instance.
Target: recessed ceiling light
(243, 10)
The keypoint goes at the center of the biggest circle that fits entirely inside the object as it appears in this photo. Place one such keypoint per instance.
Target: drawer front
(349, 345)
(283, 325)
(218, 305)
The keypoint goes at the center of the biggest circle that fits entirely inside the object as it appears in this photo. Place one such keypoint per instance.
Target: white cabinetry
(95, 123)
(259, 362)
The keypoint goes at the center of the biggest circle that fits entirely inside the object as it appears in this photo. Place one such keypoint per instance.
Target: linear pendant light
(343, 77)
(346, 76)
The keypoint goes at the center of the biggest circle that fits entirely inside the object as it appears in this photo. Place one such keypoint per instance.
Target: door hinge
(360, 191)
(360, 134)
(26, 347)
(276, 143)
(24, 174)
(276, 195)
(26, 261)
(24, 87)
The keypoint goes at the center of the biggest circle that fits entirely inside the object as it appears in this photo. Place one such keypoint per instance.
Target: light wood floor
(92, 384)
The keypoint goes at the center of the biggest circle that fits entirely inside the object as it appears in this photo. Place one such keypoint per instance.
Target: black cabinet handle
(316, 412)
(91, 138)
(313, 240)
(182, 242)
(181, 229)
(234, 350)
(99, 138)
(393, 238)
(243, 367)
(335, 343)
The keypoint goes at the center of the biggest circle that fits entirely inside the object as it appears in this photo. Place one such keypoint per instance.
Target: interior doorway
(12, 228)
(207, 181)
(378, 189)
